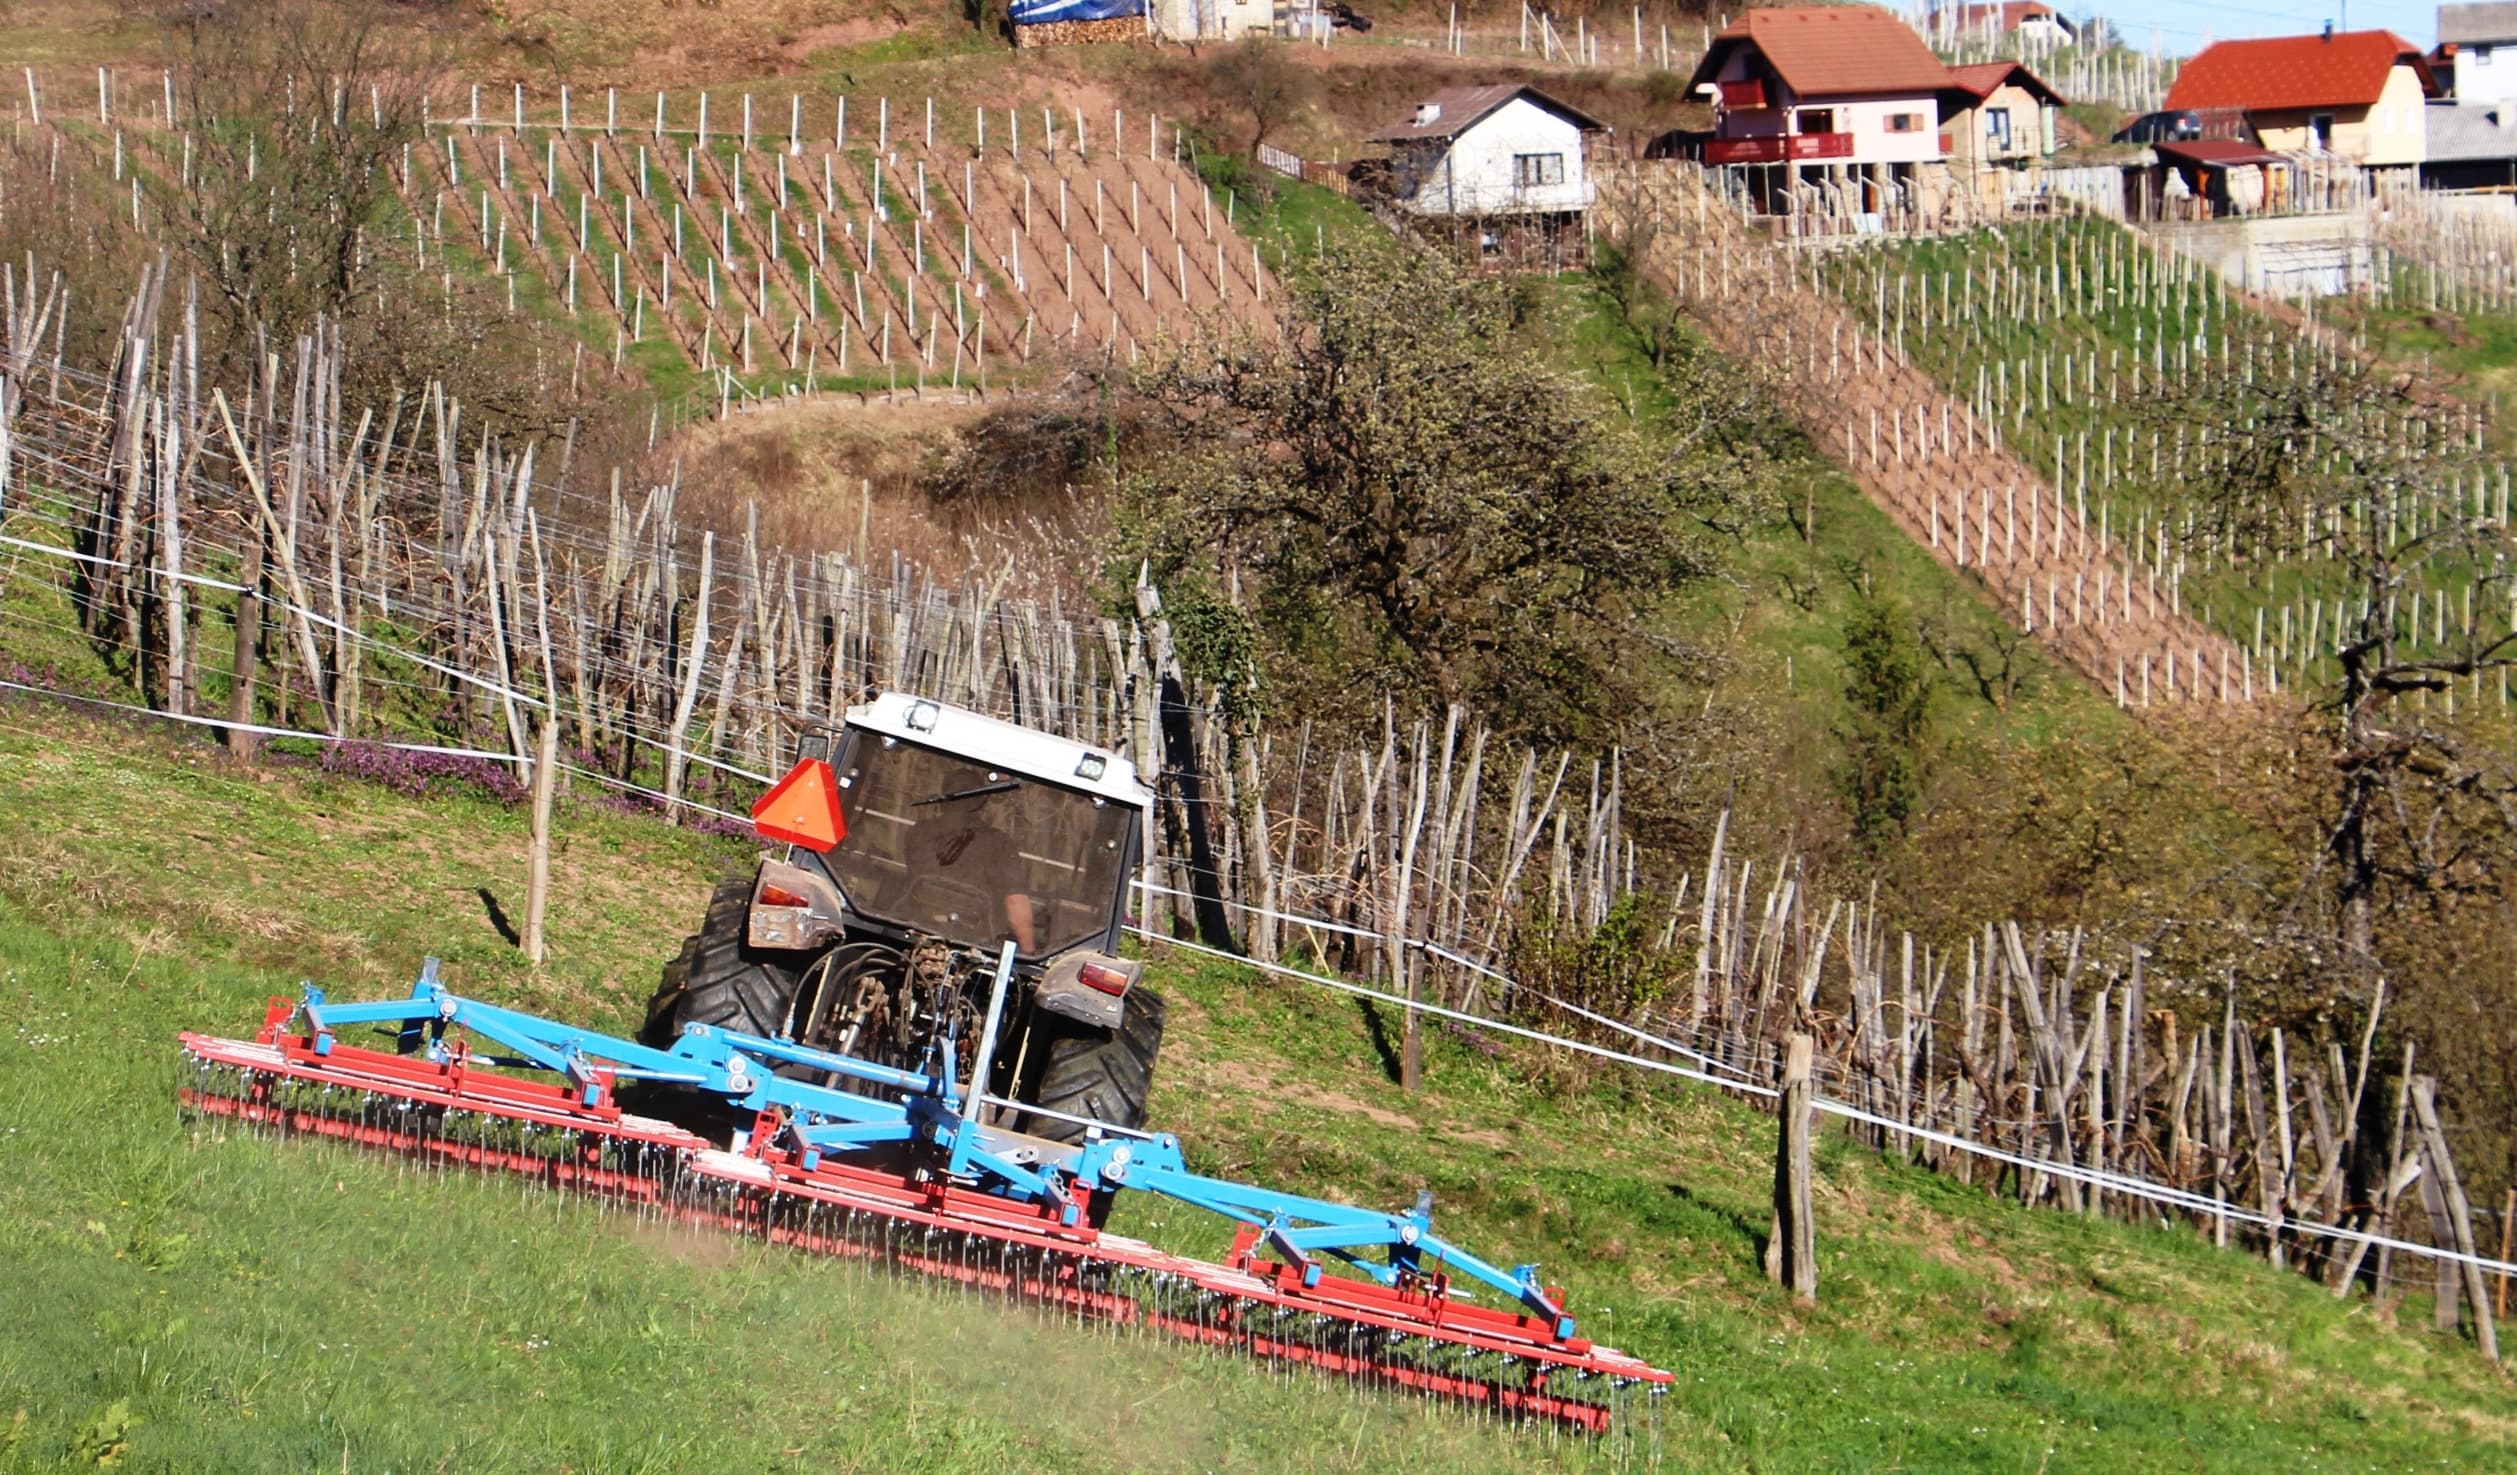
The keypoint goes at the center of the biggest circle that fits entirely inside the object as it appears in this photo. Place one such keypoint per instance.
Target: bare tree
(1261, 79)
(2318, 458)
(297, 114)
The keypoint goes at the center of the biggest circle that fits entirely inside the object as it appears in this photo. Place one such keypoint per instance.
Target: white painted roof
(999, 744)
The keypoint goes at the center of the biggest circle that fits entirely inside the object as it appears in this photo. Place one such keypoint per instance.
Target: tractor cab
(915, 842)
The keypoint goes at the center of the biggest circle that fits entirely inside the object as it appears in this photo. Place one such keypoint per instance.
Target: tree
(1887, 696)
(2339, 471)
(299, 119)
(2320, 458)
(1261, 79)
(298, 116)
(1410, 499)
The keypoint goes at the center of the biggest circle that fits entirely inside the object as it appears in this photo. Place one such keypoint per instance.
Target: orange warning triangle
(803, 809)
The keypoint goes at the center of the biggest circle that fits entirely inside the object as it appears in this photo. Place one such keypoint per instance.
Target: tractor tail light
(1102, 976)
(779, 896)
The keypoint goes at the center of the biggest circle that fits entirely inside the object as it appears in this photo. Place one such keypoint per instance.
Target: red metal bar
(1777, 148)
(765, 1186)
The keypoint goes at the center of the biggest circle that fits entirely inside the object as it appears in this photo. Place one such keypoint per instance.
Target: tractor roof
(1003, 745)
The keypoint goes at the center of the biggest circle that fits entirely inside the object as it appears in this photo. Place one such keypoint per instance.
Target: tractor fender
(776, 920)
(1087, 987)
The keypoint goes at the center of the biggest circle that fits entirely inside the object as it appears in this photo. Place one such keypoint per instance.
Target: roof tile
(1457, 109)
(1834, 51)
(2348, 69)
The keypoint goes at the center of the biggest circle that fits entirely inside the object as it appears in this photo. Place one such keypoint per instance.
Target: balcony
(1778, 148)
(1740, 97)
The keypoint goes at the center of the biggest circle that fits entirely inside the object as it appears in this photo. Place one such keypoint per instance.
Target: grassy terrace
(192, 1301)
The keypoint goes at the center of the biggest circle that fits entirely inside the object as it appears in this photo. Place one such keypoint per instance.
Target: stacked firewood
(1081, 32)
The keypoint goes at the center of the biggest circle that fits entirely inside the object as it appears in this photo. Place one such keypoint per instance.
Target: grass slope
(188, 1300)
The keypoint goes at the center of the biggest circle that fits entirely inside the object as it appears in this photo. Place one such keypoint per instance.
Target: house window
(2320, 131)
(1905, 122)
(1817, 120)
(1529, 170)
(1997, 127)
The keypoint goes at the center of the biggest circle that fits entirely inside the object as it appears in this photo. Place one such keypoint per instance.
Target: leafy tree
(1887, 696)
(1410, 499)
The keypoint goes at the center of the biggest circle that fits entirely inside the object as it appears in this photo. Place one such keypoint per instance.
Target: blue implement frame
(927, 1113)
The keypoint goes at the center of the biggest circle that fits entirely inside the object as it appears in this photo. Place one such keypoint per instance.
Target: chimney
(1428, 113)
(2329, 30)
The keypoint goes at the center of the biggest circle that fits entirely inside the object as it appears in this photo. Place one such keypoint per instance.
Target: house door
(2320, 132)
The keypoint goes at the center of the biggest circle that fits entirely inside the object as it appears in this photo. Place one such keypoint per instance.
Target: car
(2175, 126)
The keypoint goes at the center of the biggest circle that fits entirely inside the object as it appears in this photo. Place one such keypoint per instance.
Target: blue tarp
(1036, 12)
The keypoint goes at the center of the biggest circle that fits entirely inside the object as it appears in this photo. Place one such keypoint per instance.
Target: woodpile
(1121, 28)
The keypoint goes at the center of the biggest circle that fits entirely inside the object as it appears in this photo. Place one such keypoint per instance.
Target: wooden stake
(1791, 1253)
(537, 893)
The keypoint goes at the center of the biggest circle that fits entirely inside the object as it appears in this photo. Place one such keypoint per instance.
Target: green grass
(2473, 352)
(1795, 577)
(228, 1302)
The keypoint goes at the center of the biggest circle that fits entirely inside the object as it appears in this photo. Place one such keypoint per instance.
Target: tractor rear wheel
(719, 979)
(1102, 1074)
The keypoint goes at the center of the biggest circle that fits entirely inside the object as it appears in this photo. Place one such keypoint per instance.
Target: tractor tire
(1102, 1075)
(718, 979)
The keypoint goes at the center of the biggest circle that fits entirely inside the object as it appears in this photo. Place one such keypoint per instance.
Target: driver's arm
(1018, 919)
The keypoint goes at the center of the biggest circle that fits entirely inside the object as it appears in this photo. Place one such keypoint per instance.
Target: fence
(382, 575)
(783, 248)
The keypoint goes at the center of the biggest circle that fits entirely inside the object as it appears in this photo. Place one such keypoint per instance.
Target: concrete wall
(1226, 20)
(1477, 174)
(2282, 256)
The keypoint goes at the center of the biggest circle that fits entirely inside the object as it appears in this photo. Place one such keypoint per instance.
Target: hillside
(878, 421)
(193, 1301)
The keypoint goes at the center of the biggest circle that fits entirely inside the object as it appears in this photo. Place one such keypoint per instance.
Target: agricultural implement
(841, 1062)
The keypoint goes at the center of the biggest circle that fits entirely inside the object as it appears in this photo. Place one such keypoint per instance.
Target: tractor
(921, 842)
(907, 1035)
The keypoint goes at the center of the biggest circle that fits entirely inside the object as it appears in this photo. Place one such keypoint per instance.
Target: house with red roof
(2356, 95)
(1839, 87)
(1997, 115)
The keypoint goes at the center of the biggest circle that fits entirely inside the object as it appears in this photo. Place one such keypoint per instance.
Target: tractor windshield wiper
(999, 787)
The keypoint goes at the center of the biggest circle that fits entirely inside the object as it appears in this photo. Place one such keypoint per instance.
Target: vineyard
(843, 243)
(2111, 538)
(291, 573)
(2070, 342)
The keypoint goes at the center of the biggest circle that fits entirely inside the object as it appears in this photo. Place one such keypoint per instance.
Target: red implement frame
(1040, 1259)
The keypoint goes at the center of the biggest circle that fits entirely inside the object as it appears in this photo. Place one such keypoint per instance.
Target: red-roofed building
(1997, 115)
(1842, 85)
(2357, 95)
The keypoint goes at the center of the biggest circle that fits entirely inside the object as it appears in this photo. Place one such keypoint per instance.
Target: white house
(2480, 43)
(1210, 20)
(1505, 149)
(2032, 21)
